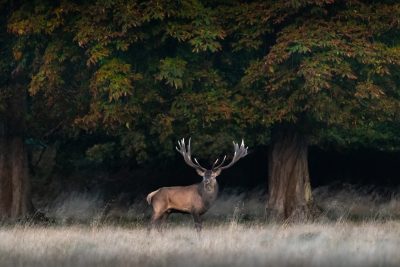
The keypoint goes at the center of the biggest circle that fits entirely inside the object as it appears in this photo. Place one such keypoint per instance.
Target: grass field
(359, 227)
(231, 244)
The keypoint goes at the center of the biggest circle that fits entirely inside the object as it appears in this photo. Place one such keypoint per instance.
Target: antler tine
(215, 162)
(187, 156)
(195, 160)
(189, 149)
(219, 165)
(239, 152)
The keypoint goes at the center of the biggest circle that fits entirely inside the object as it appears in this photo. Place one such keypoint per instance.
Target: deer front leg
(197, 221)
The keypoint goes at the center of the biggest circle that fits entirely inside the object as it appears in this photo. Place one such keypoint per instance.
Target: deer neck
(208, 191)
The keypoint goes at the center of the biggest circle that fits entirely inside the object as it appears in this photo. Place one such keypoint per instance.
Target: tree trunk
(14, 183)
(289, 188)
(14, 176)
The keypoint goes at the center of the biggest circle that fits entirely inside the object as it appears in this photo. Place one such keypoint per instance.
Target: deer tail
(150, 196)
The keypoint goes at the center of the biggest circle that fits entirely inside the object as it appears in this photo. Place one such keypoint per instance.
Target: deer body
(194, 199)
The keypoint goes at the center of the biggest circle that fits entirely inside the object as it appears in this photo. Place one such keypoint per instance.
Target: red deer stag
(194, 199)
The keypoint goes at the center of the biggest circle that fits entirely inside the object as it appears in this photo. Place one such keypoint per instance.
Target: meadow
(358, 228)
(338, 244)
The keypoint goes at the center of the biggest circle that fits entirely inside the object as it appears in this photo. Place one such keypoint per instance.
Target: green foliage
(114, 80)
(146, 73)
(99, 153)
(172, 71)
(333, 64)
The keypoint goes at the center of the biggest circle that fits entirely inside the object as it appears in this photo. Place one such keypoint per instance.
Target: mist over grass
(355, 203)
(359, 226)
(337, 203)
(75, 207)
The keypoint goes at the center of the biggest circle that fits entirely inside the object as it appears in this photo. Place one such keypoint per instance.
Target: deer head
(240, 151)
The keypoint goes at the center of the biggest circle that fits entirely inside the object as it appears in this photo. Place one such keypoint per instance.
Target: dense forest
(104, 90)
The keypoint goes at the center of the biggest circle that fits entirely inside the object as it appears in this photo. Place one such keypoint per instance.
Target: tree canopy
(141, 74)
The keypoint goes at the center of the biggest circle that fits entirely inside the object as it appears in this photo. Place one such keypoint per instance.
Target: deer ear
(217, 172)
(200, 172)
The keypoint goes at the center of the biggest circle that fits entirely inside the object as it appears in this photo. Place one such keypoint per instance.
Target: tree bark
(289, 188)
(14, 183)
(15, 200)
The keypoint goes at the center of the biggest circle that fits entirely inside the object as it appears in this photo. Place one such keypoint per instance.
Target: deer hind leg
(197, 221)
(155, 221)
(163, 219)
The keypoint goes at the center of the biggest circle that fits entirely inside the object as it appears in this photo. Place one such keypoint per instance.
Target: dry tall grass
(358, 228)
(344, 203)
(339, 244)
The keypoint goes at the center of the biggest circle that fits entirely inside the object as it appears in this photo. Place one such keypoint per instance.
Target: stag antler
(240, 152)
(186, 153)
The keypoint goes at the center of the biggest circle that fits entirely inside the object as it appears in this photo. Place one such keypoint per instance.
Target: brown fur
(193, 199)
(150, 196)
